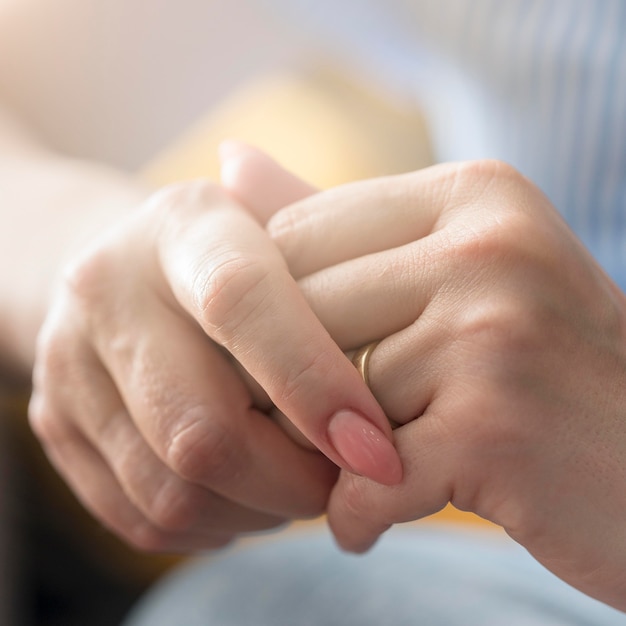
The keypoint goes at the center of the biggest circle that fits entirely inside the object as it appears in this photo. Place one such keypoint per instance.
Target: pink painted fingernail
(364, 447)
(231, 148)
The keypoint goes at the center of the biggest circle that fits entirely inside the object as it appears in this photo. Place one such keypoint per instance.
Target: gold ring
(361, 360)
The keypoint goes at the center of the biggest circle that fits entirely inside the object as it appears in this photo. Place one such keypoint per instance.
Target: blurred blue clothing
(540, 84)
(420, 575)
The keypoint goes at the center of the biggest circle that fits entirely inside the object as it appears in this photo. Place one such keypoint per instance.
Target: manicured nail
(230, 148)
(364, 448)
(231, 154)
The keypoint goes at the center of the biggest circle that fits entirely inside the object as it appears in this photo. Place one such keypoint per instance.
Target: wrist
(54, 207)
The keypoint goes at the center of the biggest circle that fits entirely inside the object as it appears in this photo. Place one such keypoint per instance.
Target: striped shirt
(540, 84)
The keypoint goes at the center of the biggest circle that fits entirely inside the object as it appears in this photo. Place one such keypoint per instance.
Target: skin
(170, 450)
(502, 342)
(162, 440)
(502, 354)
(502, 349)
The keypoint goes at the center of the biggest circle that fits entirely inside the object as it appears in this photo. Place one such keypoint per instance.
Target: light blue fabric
(540, 84)
(430, 576)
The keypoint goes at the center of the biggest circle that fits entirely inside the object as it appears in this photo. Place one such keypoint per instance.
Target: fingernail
(364, 447)
(230, 148)
(231, 155)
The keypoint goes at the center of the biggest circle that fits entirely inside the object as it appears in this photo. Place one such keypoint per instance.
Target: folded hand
(502, 353)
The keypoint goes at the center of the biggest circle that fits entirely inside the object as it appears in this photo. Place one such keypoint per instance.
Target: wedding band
(361, 360)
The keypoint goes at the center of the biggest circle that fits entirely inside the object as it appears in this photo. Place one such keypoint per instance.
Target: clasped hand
(185, 340)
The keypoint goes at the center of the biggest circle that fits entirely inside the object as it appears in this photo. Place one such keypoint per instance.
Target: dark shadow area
(60, 567)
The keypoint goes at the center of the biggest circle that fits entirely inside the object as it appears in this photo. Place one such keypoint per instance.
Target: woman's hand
(141, 407)
(502, 355)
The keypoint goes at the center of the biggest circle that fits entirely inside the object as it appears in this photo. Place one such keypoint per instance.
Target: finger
(97, 488)
(257, 181)
(263, 187)
(360, 510)
(359, 218)
(186, 401)
(376, 295)
(405, 369)
(228, 275)
(287, 426)
(189, 404)
(170, 502)
(81, 392)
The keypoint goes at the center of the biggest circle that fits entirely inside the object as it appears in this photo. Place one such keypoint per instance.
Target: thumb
(258, 182)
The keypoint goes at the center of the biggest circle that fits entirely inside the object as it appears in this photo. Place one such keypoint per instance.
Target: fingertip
(232, 148)
(353, 545)
(360, 549)
(365, 449)
(256, 180)
(232, 155)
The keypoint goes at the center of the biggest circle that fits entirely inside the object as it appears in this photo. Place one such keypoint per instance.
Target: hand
(502, 353)
(145, 414)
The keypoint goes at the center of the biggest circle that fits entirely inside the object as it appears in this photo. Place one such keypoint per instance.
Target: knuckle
(480, 175)
(506, 338)
(173, 508)
(203, 452)
(169, 208)
(285, 229)
(62, 370)
(510, 253)
(297, 380)
(229, 291)
(51, 359)
(499, 323)
(489, 169)
(43, 408)
(504, 241)
(85, 277)
(146, 538)
(45, 423)
(464, 183)
(170, 198)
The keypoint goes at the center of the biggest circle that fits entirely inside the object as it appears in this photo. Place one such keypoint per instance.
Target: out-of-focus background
(116, 80)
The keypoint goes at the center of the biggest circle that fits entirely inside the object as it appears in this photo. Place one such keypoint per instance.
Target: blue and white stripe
(538, 83)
